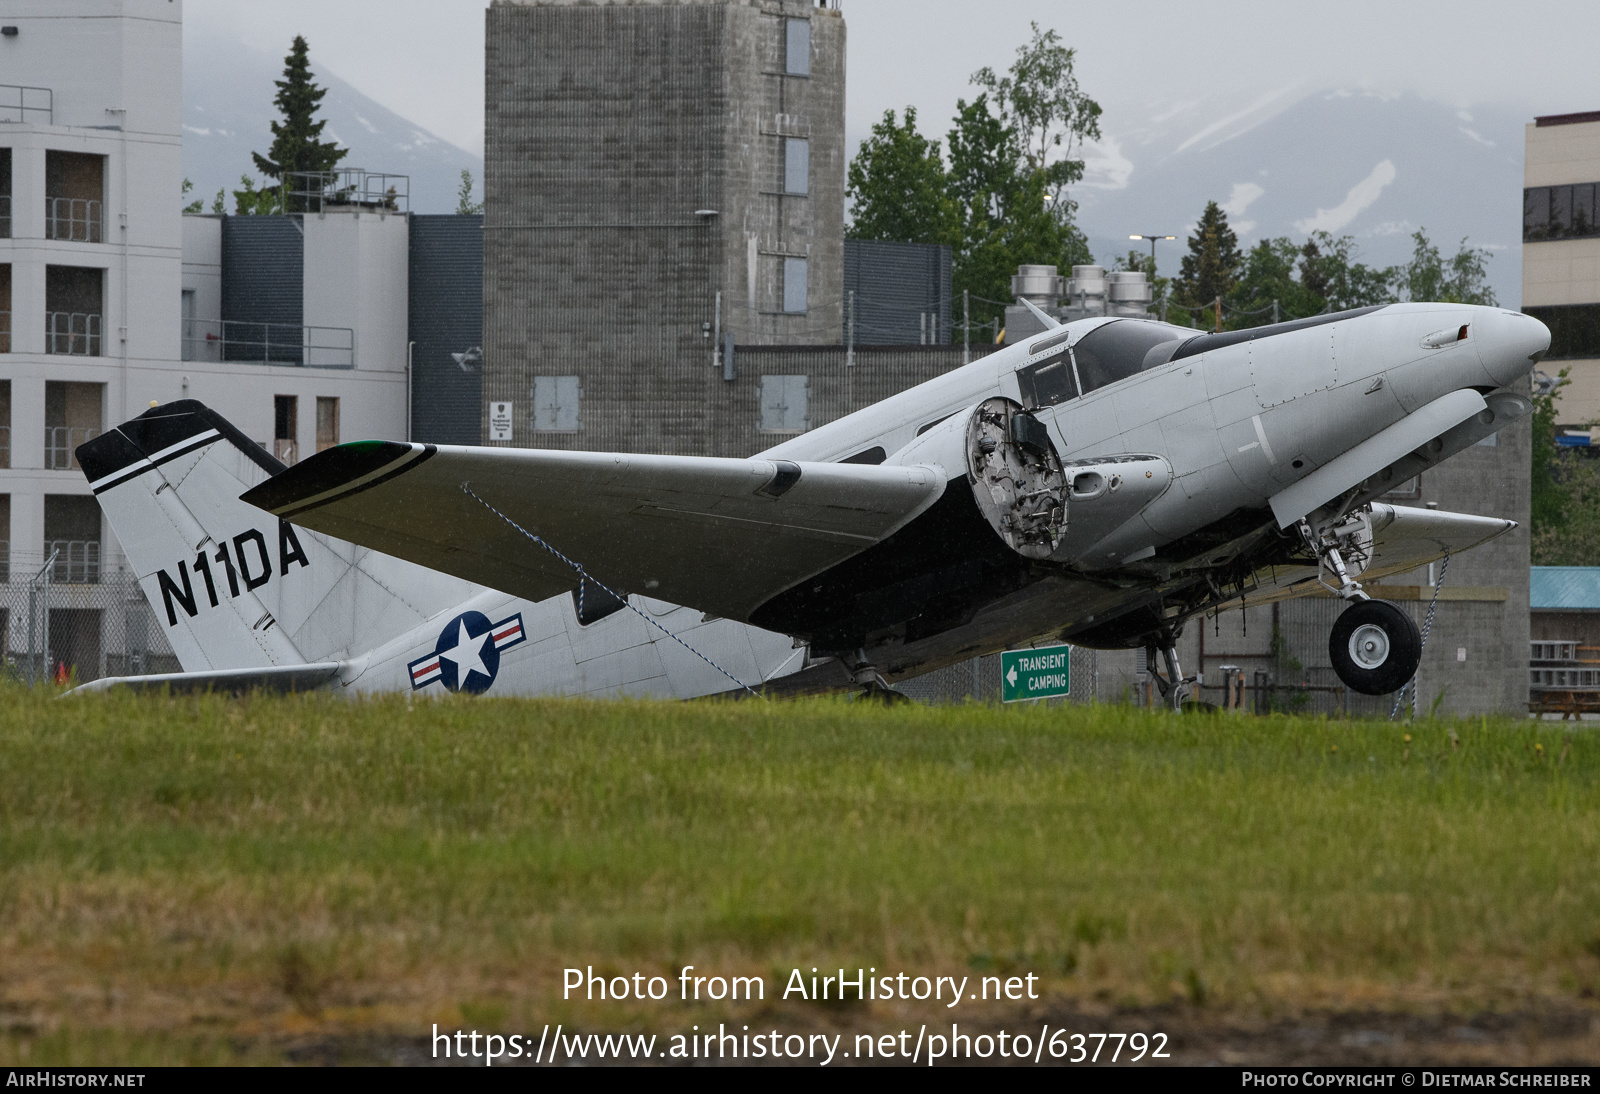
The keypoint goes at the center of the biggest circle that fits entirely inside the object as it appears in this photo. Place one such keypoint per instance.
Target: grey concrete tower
(641, 159)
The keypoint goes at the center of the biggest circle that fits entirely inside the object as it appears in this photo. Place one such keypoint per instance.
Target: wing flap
(720, 535)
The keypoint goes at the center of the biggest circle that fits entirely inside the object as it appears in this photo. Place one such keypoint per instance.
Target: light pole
(1152, 240)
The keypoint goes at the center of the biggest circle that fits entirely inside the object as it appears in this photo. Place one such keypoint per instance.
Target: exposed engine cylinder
(1016, 477)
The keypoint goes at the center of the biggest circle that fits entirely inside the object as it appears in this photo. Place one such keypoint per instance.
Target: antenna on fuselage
(1045, 317)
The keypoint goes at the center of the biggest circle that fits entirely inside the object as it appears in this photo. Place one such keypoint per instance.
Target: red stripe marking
(507, 631)
(425, 669)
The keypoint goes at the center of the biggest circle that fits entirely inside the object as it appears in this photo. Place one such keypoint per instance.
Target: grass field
(204, 879)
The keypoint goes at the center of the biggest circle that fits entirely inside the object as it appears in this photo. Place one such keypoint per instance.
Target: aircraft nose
(1515, 343)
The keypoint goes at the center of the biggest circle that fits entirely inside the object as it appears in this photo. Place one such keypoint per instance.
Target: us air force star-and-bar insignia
(467, 655)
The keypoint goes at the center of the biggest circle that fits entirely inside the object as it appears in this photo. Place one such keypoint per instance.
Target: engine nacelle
(1041, 508)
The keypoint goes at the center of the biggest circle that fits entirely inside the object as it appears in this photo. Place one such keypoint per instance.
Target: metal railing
(5, 332)
(347, 187)
(269, 343)
(60, 442)
(77, 561)
(5, 561)
(19, 103)
(75, 219)
(74, 333)
(5, 216)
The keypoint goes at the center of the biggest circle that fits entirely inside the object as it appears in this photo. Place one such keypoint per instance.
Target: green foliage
(248, 201)
(1211, 268)
(897, 186)
(296, 140)
(1328, 269)
(465, 206)
(1039, 98)
(1565, 509)
(1463, 280)
(195, 206)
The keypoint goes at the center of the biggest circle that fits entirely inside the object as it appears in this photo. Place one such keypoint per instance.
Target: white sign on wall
(499, 421)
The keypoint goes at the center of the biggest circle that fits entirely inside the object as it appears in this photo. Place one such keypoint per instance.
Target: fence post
(850, 334)
(966, 329)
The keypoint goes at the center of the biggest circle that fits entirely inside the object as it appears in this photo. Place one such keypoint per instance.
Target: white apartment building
(1561, 256)
(111, 299)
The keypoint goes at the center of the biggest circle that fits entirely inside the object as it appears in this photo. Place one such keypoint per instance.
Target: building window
(74, 193)
(188, 324)
(783, 404)
(72, 416)
(794, 285)
(5, 424)
(797, 47)
(285, 427)
(327, 422)
(556, 401)
(5, 309)
(72, 534)
(1574, 330)
(1560, 212)
(5, 551)
(796, 165)
(73, 305)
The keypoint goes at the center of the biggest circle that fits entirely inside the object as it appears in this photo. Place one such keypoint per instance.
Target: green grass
(183, 877)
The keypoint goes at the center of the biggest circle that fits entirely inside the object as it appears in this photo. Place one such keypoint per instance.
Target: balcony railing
(5, 446)
(78, 562)
(269, 343)
(346, 187)
(27, 104)
(5, 216)
(76, 219)
(60, 441)
(5, 332)
(75, 333)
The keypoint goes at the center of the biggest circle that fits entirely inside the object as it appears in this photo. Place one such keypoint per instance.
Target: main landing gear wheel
(1375, 647)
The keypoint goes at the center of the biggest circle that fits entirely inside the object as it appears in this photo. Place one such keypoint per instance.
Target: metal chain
(1427, 627)
(584, 577)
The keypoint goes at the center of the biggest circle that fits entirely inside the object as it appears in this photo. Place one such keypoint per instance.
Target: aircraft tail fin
(233, 586)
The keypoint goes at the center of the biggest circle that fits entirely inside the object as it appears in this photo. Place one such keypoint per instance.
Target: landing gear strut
(1173, 685)
(865, 675)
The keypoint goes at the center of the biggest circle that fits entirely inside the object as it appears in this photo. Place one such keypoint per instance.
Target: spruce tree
(296, 143)
(1211, 267)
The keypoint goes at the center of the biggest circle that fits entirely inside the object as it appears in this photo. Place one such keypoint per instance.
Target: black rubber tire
(1382, 673)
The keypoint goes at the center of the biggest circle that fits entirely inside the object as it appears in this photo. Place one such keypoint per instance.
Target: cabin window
(592, 603)
(1048, 382)
(1121, 349)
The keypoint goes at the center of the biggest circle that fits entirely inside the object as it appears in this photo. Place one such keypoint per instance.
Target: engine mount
(1016, 477)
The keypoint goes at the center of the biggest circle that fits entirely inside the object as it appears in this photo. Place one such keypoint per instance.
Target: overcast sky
(424, 58)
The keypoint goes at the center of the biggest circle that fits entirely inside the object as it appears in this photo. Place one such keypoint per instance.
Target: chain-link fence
(57, 627)
(1097, 676)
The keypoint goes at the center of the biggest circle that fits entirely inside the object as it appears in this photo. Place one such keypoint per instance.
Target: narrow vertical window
(794, 285)
(285, 427)
(796, 165)
(797, 52)
(327, 422)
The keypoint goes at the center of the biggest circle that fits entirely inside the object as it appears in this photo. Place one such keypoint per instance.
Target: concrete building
(1561, 254)
(662, 180)
(297, 328)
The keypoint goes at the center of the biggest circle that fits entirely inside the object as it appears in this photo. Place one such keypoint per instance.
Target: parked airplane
(1102, 484)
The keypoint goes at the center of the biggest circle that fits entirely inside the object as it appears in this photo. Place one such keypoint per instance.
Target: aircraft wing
(720, 535)
(277, 678)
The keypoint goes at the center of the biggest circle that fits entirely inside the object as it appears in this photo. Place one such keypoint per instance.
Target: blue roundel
(465, 651)
(467, 655)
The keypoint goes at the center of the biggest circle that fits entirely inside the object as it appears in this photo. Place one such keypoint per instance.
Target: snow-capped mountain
(228, 110)
(1287, 163)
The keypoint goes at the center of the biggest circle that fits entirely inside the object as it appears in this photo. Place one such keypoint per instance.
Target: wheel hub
(1369, 646)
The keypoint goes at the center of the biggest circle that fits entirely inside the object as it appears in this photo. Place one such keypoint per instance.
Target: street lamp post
(1153, 239)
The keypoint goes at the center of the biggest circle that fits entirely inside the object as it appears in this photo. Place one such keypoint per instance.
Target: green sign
(1044, 673)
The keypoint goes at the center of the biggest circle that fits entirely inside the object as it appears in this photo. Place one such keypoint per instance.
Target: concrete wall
(633, 170)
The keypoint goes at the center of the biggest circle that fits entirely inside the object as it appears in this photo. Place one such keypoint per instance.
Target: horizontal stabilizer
(719, 535)
(280, 678)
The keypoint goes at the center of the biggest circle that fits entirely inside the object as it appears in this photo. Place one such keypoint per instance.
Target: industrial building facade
(662, 181)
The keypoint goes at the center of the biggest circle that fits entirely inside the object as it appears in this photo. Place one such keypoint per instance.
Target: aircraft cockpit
(1111, 352)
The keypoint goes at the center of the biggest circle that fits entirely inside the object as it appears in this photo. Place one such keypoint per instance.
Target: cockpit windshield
(1118, 350)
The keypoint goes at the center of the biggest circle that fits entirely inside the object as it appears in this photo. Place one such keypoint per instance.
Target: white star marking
(472, 659)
